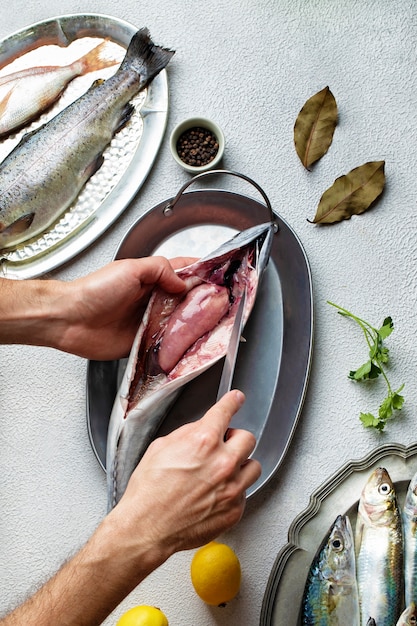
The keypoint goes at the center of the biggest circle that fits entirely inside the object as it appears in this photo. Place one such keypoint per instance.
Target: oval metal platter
(339, 495)
(273, 363)
(127, 160)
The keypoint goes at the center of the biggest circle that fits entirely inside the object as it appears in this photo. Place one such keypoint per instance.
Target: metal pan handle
(170, 206)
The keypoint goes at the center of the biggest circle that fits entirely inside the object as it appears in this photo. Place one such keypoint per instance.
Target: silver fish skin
(409, 616)
(379, 551)
(43, 175)
(371, 622)
(410, 541)
(147, 391)
(330, 595)
(25, 94)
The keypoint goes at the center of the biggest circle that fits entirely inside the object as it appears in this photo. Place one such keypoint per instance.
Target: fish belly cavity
(199, 312)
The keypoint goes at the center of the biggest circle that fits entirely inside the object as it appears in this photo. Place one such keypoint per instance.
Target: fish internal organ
(183, 330)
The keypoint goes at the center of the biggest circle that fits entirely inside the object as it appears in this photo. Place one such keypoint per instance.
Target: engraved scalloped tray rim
(91, 213)
(339, 494)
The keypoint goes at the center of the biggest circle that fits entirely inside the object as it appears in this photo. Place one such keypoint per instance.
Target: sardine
(180, 337)
(379, 551)
(409, 616)
(25, 94)
(46, 171)
(410, 541)
(330, 595)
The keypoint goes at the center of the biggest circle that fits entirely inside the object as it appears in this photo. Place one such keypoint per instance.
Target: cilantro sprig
(374, 367)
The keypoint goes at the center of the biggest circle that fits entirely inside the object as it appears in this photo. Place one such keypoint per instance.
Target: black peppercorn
(197, 146)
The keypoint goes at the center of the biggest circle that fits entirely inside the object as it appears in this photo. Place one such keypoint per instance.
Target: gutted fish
(409, 616)
(330, 595)
(379, 551)
(180, 337)
(46, 171)
(25, 94)
(410, 541)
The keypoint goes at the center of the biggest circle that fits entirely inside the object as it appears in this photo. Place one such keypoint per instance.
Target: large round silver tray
(273, 365)
(128, 159)
(338, 495)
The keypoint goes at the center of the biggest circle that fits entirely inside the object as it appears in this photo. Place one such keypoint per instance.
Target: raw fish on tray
(331, 595)
(25, 94)
(410, 542)
(379, 551)
(179, 338)
(45, 172)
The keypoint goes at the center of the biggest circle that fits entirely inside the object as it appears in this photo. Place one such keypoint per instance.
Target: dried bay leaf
(351, 194)
(314, 127)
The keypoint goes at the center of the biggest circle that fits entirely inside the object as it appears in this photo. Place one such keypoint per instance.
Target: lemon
(216, 573)
(143, 616)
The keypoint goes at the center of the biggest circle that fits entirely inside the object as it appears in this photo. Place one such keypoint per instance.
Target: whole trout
(45, 172)
(180, 337)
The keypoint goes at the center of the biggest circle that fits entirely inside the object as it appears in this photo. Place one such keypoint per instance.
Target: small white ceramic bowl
(205, 124)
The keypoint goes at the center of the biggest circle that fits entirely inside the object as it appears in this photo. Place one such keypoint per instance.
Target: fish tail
(96, 59)
(146, 58)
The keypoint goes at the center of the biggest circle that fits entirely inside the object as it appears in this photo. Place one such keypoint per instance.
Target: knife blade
(230, 361)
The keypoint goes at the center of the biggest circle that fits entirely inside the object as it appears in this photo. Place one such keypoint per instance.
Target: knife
(232, 350)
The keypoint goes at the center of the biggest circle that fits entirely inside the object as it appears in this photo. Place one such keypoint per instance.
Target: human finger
(243, 442)
(249, 473)
(221, 413)
(182, 261)
(158, 270)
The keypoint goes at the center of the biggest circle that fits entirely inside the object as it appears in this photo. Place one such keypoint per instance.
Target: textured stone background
(250, 65)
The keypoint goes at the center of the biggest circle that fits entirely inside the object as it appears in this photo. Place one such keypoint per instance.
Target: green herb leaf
(351, 194)
(378, 356)
(386, 408)
(369, 420)
(367, 371)
(386, 328)
(397, 399)
(361, 372)
(314, 127)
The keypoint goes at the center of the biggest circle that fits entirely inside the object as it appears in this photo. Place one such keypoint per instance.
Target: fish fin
(94, 166)
(95, 59)
(146, 58)
(358, 535)
(5, 101)
(125, 116)
(18, 226)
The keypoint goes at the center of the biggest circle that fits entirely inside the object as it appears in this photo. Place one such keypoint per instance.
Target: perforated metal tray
(128, 159)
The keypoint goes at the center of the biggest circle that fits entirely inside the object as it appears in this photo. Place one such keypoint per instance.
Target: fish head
(378, 501)
(409, 616)
(336, 559)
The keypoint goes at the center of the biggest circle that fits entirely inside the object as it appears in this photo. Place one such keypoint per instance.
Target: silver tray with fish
(273, 364)
(127, 160)
(339, 495)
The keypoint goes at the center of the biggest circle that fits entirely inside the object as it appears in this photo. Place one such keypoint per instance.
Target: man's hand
(108, 305)
(191, 484)
(188, 488)
(96, 316)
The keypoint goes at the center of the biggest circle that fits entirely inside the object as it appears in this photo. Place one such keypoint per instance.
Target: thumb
(220, 414)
